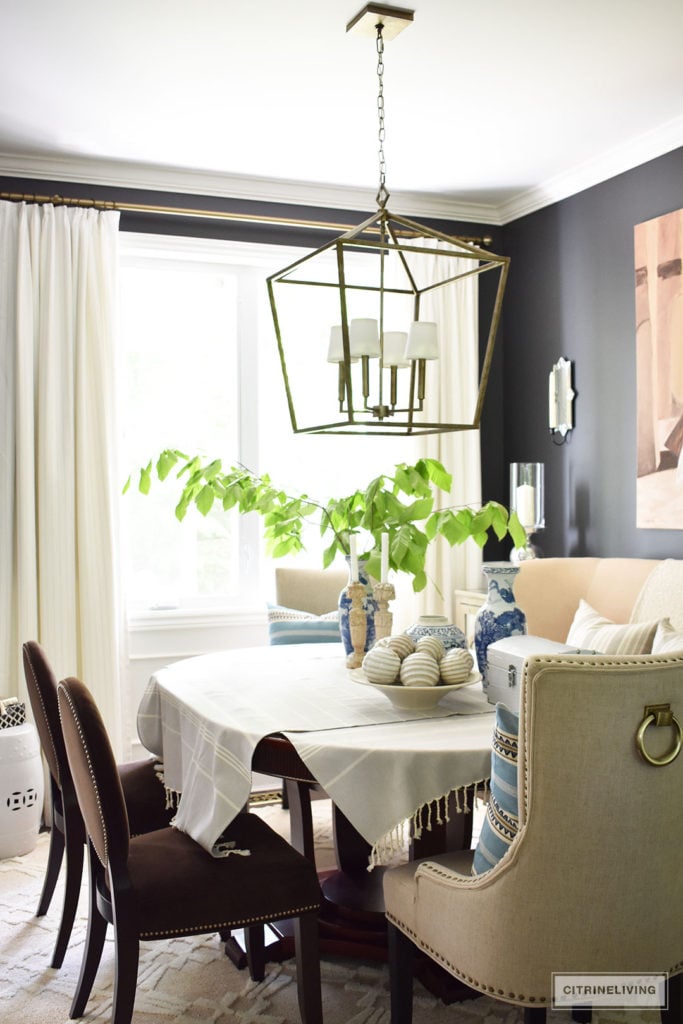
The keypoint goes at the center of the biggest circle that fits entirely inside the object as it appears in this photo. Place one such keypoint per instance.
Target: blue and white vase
(500, 616)
(438, 626)
(370, 606)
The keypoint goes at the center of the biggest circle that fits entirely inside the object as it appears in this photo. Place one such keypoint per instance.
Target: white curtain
(59, 477)
(455, 309)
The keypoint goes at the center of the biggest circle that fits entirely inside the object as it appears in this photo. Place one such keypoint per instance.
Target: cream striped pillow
(667, 640)
(593, 631)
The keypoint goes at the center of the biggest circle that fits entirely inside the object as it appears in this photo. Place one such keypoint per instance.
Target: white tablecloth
(382, 767)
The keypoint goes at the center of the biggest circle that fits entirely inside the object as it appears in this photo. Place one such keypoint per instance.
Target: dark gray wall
(571, 294)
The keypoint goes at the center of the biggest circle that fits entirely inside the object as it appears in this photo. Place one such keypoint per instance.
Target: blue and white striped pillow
(291, 626)
(501, 823)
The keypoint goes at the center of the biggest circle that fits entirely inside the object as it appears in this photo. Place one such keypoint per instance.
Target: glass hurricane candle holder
(527, 500)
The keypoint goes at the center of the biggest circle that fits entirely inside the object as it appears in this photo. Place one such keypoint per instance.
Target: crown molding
(176, 179)
(640, 150)
(649, 146)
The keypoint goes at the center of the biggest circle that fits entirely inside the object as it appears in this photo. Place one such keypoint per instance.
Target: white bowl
(420, 698)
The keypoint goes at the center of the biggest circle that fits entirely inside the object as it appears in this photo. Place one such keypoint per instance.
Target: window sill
(155, 619)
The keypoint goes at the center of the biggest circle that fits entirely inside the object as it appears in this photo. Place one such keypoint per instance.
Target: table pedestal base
(352, 924)
(352, 921)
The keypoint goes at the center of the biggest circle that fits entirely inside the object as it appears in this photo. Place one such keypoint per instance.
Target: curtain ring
(659, 715)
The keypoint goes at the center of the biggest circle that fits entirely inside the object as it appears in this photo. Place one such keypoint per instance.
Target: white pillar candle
(353, 551)
(385, 558)
(526, 505)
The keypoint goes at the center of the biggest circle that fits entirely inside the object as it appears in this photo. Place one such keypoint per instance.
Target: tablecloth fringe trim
(172, 799)
(224, 847)
(432, 812)
(172, 795)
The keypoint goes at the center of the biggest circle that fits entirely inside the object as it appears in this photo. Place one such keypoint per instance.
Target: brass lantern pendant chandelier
(367, 290)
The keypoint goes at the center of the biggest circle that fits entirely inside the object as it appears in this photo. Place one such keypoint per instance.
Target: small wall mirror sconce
(560, 401)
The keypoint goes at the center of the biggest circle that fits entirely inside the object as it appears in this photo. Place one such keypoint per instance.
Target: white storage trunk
(505, 665)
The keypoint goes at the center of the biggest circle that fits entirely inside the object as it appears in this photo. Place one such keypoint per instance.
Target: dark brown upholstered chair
(164, 884)
(143, 793)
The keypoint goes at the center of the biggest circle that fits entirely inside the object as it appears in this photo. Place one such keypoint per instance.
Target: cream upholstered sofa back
(548, 590)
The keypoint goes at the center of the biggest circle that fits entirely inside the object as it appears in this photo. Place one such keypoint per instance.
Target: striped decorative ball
(419, 669)
(381, 665)
(402, 644)
(456, 665)
(431, 645)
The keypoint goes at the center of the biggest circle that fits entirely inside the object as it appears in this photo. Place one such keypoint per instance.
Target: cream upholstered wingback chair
(593, 881)
(309, 590)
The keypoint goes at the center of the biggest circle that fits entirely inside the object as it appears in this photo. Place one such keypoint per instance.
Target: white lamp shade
(423, 341)
(394, 352)
(335, 351)
(364, 337)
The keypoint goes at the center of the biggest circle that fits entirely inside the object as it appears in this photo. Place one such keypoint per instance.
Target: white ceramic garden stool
(21, 789)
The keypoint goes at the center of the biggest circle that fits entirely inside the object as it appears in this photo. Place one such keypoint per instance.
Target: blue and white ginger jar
(440, 627)
(500, 616)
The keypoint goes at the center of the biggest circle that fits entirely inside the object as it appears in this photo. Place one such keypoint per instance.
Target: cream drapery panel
(58, 467)
(456, 312)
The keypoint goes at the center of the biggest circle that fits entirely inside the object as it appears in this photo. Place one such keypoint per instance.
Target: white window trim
(251, 257)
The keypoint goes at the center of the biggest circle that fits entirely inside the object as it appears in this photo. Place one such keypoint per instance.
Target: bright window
(201, 373)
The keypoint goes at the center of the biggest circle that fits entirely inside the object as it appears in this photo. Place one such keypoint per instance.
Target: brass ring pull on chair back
(659, 715)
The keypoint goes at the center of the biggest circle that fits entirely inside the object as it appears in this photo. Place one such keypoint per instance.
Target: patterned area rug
(190, 981)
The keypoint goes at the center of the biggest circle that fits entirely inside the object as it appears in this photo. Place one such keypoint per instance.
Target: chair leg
(256, 952)
(92, 954)
(72, 891)
(401, 951)
(127, 944)
(674, 1012)
(54, 863)
(307, 946)
(94, 944)
(534, 1014)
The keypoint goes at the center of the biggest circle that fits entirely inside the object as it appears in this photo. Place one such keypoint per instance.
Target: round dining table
(398, 780)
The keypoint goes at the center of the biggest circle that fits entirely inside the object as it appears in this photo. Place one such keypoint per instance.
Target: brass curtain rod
(178, 211)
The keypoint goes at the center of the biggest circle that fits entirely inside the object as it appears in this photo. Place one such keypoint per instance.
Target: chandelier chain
(382, 194)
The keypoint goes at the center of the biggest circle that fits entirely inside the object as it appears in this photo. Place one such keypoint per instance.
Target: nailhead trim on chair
(677, 968)
(92, 775)
(45, 717)
(232, 923)
(452, 969)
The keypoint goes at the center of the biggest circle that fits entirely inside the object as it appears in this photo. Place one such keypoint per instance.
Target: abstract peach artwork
(658, 246)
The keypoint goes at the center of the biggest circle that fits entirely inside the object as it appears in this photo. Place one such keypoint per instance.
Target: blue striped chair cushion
(290, 626)
(501, 823)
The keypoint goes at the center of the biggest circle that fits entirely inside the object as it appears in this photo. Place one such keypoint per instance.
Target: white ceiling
(493, 107)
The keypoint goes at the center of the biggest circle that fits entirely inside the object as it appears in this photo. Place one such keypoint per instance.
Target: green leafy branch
(401, 505)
